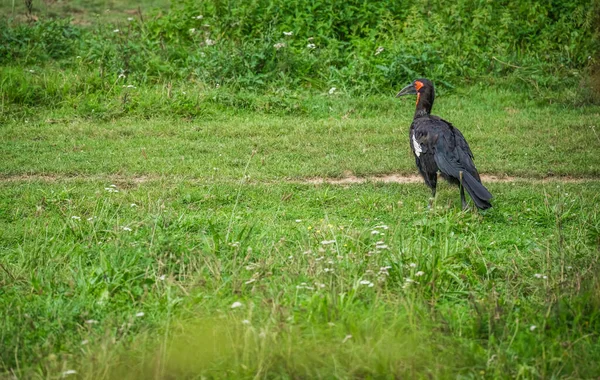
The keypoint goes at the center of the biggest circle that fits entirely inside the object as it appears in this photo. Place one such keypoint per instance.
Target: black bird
(439, 146)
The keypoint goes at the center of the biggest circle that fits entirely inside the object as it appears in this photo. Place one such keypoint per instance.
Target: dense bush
(361, 47)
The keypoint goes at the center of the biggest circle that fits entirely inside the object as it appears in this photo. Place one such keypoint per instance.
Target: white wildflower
(412, 265)
(133, 205)
(199, 17)
(84, 342)
(236, 304)
(192, 30)
(32, 71)
(209, 42)
(311, 46)
(328, 270)
(419, 273)
(379, 50)
(140, 314)
(375, 232)
(327, 242)
(298, 220)
(532, 327)
(116, 31)
(130, 86)
(539, 275)
(91, 321)
(245, 322)
(129, 18)
(332, 90)
(279, 45)
(69, 372)
(288, 33)
(121, 75)
(162, 278)
(125, 228)
(75, 217)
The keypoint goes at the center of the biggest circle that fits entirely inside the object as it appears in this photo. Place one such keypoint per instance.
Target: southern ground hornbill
(439, 146)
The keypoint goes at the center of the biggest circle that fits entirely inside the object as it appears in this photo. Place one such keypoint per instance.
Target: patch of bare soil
(348, 179)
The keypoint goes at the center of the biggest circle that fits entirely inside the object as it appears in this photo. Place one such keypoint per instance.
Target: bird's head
(423, 88)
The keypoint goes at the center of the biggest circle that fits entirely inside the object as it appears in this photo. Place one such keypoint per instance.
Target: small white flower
(311, 46)
(327, 242)
(419, 273)
(162, 278)
(381, 246)
(192, 30)
(209, 42)
(84, 342)
(332, 90)
(125, 228)
(532, 327)
(245, 322)
(199, 17)
(78, 57)
(121, 75)
(236, 304)
(310, 38)
(130, 86)
(129, 18)
(328, 270)
(116, 31)
(279, 45)
(379, 50)
(298, 220)
(32, 71)
(375, 232)
(409, 280)
(69, 372)
(133, 205)
(412, 265)
(347, 338)
(539, 275)
(75, 217)
(288, 33)
(91, 321)
(140, 314)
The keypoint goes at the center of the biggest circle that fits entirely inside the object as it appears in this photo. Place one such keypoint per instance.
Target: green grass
(103, 220)
(470, 312)
(508, 133)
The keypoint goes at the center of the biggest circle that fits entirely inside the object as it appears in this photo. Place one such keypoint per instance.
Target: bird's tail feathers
(480, 195)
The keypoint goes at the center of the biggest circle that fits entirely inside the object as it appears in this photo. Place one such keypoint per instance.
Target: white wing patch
(416, 145)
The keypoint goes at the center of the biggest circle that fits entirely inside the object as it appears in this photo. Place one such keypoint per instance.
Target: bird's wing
(464, 155)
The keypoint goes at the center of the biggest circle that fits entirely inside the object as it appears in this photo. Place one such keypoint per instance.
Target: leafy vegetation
(279, 47)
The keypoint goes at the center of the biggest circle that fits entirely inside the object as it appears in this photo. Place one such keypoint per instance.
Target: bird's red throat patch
(418, 85)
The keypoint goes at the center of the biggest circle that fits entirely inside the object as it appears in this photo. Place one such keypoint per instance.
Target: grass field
(172, 248)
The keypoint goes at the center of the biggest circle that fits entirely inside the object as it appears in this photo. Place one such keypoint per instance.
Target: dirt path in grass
(348, 179)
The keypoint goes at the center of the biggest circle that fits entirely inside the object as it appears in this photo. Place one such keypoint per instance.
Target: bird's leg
(462, 190)
(433, 191)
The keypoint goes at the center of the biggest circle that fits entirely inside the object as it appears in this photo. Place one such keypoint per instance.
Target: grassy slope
(73, 279)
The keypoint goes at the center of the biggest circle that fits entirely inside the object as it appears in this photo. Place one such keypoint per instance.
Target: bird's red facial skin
(418, 85)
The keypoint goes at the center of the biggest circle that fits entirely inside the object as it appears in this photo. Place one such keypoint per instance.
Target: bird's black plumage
(438, 146)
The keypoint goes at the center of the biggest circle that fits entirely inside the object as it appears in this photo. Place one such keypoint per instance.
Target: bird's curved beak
(408, 90)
